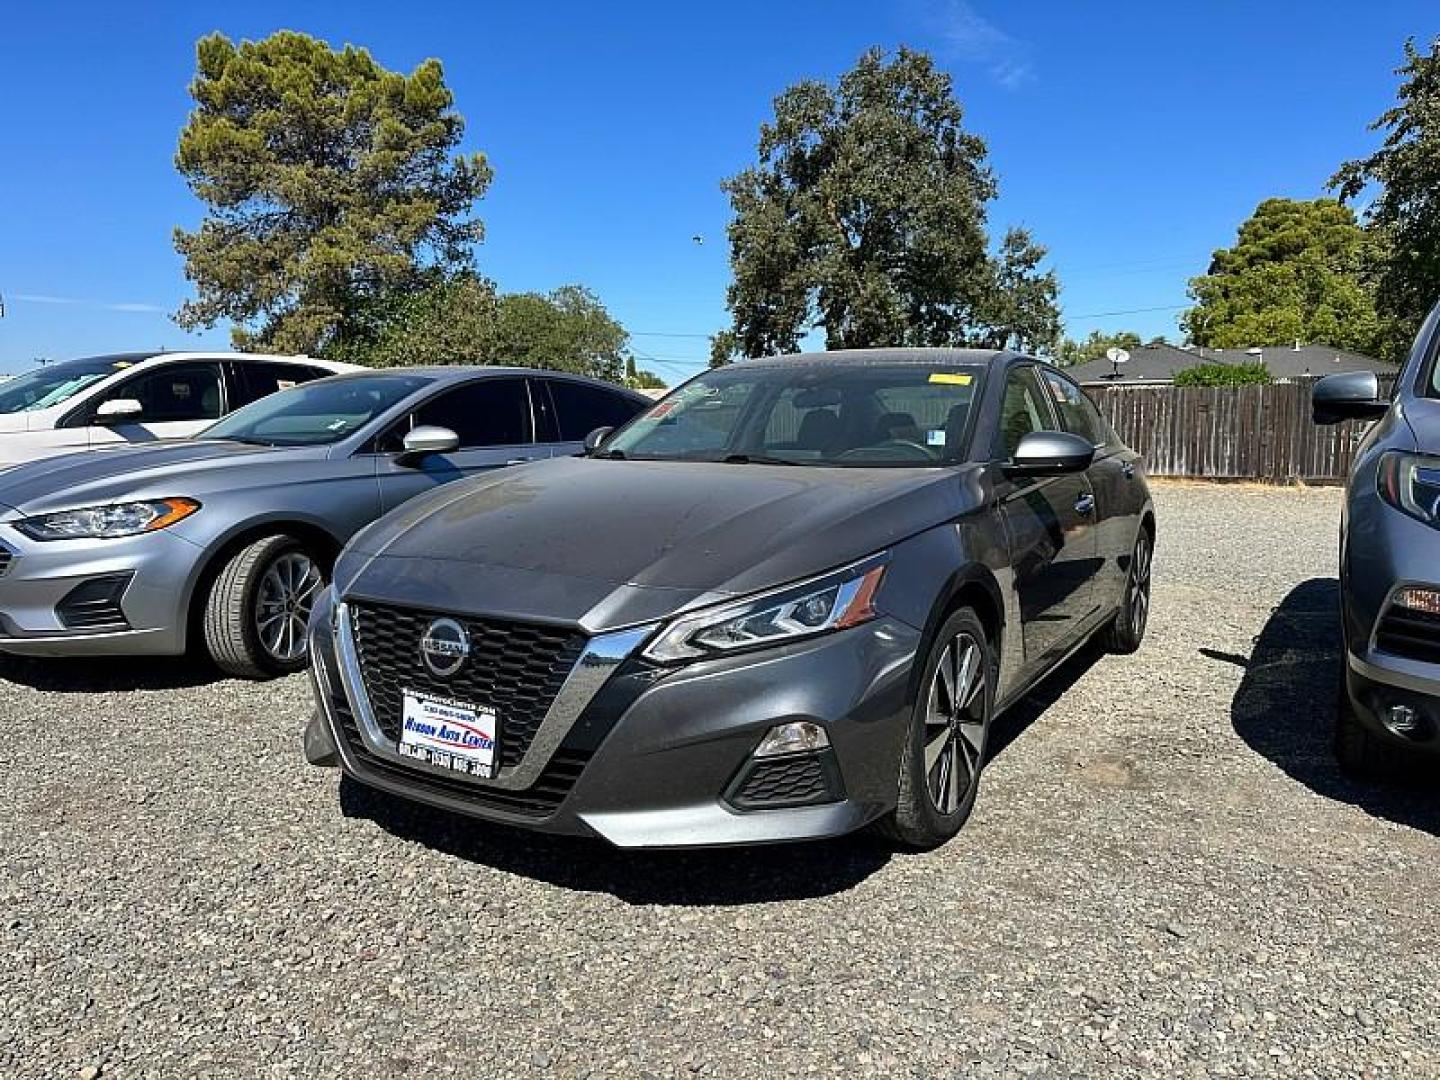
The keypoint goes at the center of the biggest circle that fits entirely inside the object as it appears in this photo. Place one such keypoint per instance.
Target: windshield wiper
(613, 455)
(245, 440)
(757, 459)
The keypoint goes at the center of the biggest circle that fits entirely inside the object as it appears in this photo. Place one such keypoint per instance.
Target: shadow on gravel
(107, 675)
(1014, 722)
(724, 876)
(1285, 709)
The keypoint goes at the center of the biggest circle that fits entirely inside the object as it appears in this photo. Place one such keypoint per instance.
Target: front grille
(539, 800)
(514, 668)
(1412, 634)
(6, 558)
(798, 780)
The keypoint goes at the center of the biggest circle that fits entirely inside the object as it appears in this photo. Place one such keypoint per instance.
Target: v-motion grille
(513, 668)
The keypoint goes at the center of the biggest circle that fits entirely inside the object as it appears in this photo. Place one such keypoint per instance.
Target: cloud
(967, 35)
(102, 305)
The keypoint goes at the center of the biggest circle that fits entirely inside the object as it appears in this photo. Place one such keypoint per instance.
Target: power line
(1128, 311)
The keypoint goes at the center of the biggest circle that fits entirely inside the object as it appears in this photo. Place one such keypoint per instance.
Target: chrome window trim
(601, 655)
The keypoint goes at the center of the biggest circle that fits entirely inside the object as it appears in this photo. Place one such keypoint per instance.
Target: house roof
(1161, 362)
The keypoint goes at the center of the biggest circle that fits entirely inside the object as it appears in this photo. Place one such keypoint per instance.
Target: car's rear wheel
(1127, 630)
(944, 749)
(258, 608)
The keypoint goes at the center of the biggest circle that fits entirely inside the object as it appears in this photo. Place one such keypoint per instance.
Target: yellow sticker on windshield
(950, 377)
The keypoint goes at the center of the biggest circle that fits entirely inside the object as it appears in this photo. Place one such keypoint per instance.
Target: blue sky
(1131, 138)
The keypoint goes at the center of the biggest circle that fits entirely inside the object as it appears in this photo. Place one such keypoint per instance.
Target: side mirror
(1051, 453)
(1352, 395)
(425, 440)
(596, 437)
(118, 410)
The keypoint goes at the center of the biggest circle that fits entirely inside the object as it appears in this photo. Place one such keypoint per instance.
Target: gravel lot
(1165, 875)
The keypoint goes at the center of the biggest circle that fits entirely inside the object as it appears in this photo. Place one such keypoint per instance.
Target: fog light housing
(1402, 720)
(797, 737)
(1418, 599)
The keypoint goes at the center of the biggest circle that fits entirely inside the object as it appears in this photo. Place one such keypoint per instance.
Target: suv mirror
(427, 439)
(1051, 453)
(118, 410)
(1352, 395)
(596, 437)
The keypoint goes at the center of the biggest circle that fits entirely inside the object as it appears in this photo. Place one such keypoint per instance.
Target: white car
(137, 397)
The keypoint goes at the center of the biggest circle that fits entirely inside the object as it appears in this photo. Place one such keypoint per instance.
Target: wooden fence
(1234, 433)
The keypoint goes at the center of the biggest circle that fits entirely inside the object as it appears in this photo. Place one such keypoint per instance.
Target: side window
(1077, 413)
(1022, 411)
(580, 409)
(484, 412)
(174, 392)
(258, 379)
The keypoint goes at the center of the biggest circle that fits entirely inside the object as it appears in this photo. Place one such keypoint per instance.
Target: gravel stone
(181, 895)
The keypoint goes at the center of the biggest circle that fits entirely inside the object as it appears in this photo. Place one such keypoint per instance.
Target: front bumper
(650, 756)
(55, 595)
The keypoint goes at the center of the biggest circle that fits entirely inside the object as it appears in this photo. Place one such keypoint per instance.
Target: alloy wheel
(1139, 598)
(955, 723)
(282, 607)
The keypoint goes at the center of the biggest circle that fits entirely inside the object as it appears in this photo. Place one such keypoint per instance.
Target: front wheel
(258, 608)
(1127, 631)
(944, 750)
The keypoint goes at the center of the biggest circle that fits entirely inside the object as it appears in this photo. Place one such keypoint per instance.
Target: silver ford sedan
(228, 538)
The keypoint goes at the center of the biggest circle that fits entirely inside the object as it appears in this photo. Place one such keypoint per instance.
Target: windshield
(809, 413)
(55, 383)
(319, 412)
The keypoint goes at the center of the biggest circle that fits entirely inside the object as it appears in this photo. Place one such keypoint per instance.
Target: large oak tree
(866, 216)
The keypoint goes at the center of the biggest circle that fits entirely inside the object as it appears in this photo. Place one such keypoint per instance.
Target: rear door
(493, 418)
(176, 400)
(569, 410)
(1114, 477)
(1050, 525)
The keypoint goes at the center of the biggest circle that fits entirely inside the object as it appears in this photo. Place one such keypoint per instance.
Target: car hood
(13, 422)
(155, 469)
(608, 543)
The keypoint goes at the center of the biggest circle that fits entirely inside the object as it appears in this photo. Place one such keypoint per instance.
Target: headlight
(844, 598)
(104, 522)
(1411, 484)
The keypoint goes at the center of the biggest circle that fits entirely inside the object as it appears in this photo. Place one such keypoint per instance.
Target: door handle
(1085, 504)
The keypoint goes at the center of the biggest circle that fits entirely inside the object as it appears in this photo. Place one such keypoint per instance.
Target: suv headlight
(105, 522)
(1411, 484)
(833, 602)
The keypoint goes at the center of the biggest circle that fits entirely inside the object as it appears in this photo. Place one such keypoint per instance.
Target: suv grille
(6, 558)
(539, 800)
(514, 668)
(1412, 634)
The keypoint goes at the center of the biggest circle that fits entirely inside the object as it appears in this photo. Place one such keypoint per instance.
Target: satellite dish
(1116, 355)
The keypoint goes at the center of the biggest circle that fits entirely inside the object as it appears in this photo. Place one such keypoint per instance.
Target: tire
(931, 807)
(247, 598)
(1127, 630)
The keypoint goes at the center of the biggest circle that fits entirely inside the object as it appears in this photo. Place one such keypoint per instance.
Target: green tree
(1216, 374)
(1297, 272)
(1069, 353)
(866, 215)
(452, 321)
(639, 379)
(328, 181)
(1406, 213)
(565, 330)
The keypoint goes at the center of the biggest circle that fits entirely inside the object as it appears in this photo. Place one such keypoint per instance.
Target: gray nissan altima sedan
(787, 601)
(1389, 706)
(227, 538)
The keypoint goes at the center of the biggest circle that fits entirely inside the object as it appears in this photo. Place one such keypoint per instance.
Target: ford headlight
(106, 522)
(1411, 484)
(833, 602)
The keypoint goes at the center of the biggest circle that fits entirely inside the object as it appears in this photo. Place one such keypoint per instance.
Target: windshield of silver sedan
(316, 413)
(815, 413)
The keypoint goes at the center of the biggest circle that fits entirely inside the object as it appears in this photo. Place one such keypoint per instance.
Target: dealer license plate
(449, 734)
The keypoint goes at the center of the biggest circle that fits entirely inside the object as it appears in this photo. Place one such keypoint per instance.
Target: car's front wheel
(1127, 631)
(944, 749)
(258, 608)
